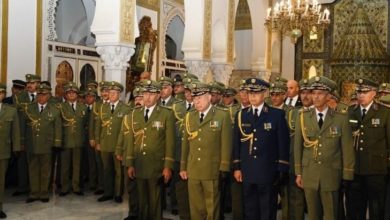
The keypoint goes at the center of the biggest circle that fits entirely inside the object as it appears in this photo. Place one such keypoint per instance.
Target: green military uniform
(74, 117)
(21, 101)
(9, 133)
(203, 162)
(108, 127)
(150, 149)
(43, 128)
(370, 126)
(95, 114)
(323, 156)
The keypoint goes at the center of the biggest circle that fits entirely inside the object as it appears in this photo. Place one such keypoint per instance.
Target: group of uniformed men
(296, 142)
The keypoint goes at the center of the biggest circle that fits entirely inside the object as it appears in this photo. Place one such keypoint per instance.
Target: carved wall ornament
(127, 21)
(207, 29)
(230, 34)
(50, 18)
(308, 63)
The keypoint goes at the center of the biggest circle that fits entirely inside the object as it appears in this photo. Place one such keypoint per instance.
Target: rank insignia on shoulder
(267, 126)
(245, 125)
(353, 121)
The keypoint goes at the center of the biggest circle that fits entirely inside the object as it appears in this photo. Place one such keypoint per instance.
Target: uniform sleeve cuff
(236, 165)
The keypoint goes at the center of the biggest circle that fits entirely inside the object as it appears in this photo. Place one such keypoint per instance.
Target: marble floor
(66, 208)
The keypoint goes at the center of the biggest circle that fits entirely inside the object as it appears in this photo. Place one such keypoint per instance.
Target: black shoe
(118, 199)
(174, 212)
(30, 200)
(99, 192)
(131, 218)
(19, 193)
(45, 200)
(62, 194)
(104, 198)
(79, 193)
(2, 215)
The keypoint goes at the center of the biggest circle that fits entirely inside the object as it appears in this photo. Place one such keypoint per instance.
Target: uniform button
(320, 145)
(255, 139)
(254, 130)
(255, 156)
(319, 136)
(319, 162)
(255, 148)
(198, 158)
(199, 139)
(361, 149)
(362, 133)
(361, 126)
(200, 129)
(145, 129)
(320, 153)
(144, 145)
(199, 149)
(144, 153)
(361, 141)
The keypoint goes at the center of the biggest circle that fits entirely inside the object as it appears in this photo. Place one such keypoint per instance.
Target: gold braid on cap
(307, 143)
(246, 137)
(192, 135)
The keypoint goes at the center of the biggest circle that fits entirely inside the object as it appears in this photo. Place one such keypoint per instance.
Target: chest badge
(157, 124)
(375, 122)
(267, 126)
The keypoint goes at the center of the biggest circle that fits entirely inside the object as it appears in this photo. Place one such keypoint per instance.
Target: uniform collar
(206, 111)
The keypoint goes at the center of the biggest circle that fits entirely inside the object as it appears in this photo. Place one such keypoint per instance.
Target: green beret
(164, 80)
(43, 89)
(304, 84)
(278, 87)
(321, 83)
(113, 85)
(230, 91)
(384, 87)
(92, 83)
(32, 78)
(198, 88)
(256, 85)
(71, 86)
(137, 92)
(3, 87)
(150, 86)
(189, 75)
(90, 91)
(365, 85)
(217, 87)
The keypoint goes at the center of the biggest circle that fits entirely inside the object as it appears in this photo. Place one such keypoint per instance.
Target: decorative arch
(64, 74)
(167, 21)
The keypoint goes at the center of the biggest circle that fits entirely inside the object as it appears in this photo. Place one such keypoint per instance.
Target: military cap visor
(385, 88)
(43, 89)
(138, 92)
(92, 83)
(278, 87)
(198, 88)
(71, 87)
(229, 92)
(321, 83)
(165, 81)
(365, 85)
(150, 86)
(304, 85)
(115, 86)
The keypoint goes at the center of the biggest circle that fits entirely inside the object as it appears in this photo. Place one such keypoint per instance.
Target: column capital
(198, 67)
(222, 72)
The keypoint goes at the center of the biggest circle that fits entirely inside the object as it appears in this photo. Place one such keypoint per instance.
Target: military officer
(9, 133)
(17, 87)
(295, 193)
(243, 95)
(92, 84)
(150, 142)
(43, 126)
(138, 97)
(216, 90)
(108, 125)
(206, 153)
(370, 123)
(335, 103)
(74, 117)
(260, 152)
(228, 99)
(96, 107)
(22, 100)
(166, 98)
(90, 99)
(178, 88)
(384, 89)
(323, 152)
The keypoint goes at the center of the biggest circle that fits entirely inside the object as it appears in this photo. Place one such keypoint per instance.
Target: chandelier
(295, 17)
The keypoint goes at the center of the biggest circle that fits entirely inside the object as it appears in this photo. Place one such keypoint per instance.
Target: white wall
(141, 11)
(21, 39)
(243, 49)
(176, 32)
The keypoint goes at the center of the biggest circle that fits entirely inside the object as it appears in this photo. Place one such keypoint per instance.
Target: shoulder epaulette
(221, 108)
(165, 107)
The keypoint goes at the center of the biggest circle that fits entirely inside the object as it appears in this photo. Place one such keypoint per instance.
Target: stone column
(198, 67)
(222, 72)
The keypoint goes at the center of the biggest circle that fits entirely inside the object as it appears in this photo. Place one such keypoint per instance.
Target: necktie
(256, 113)
(364, 113)
(73, 107)
(189, 107)
(201, 117)
(89, 109)
(112, 109)
(321, 120)
(146, 115)
(163, 103)
(32, 97)
(290, 102)
(41, 109)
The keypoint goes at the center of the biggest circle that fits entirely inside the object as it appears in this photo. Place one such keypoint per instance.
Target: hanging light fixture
(295, 17)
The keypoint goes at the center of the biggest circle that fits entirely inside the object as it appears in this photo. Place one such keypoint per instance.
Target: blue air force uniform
(260, 152)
